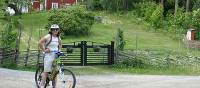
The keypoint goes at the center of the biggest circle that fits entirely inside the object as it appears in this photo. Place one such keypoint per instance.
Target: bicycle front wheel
(65, 79)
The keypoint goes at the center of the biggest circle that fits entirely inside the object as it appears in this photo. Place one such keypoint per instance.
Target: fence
(77, 53)
(7, 55)
(89, 53)
(159, 52)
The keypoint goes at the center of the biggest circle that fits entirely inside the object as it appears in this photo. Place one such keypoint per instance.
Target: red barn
(51, 4)
(54, 4)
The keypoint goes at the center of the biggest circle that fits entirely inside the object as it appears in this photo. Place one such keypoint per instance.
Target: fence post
(38, 57)
(85, 53)
(136, 45)
(112, 52)
(82, 53)
(18, 41)
(2, 55)
(28, 48)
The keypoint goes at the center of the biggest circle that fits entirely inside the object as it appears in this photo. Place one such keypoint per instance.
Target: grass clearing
(137, 35)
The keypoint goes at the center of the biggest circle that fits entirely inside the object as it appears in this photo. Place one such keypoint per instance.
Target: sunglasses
(54, 29)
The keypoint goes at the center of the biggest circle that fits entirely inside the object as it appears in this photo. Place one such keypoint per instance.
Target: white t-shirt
(53, 45)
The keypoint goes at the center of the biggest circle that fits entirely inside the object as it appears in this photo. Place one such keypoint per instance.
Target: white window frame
(54, 6)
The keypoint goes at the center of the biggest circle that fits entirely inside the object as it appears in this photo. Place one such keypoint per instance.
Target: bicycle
(66, 77)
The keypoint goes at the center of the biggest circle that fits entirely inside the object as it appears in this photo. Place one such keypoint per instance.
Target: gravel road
(23, 79)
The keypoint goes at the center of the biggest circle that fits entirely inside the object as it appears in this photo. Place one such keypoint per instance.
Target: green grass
(137, 35)
(106, 70)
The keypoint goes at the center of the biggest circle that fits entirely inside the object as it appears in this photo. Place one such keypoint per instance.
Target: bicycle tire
(38, 76)
(70, 79)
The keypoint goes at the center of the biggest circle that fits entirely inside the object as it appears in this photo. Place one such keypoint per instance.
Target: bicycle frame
(57, 67)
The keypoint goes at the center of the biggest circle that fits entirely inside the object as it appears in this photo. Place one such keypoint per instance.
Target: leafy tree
(75, 20)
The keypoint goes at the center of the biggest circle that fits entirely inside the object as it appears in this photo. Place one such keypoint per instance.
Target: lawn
(137, 35)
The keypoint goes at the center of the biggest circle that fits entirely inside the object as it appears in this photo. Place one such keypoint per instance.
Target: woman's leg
(54, 82)
(44, 77)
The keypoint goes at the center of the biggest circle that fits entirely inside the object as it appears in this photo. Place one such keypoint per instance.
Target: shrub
(196, 22)
(146, 9)
(120, 42)
(176, 24)
(157, 17)
(74, 20)
(9, 34)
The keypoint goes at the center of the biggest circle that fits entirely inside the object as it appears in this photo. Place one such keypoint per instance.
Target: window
(54, 5)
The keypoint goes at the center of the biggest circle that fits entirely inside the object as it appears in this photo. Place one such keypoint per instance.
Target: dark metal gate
(88, 53)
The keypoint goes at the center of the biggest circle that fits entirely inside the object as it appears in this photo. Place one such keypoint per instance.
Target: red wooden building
(52, 4)
(36, 4)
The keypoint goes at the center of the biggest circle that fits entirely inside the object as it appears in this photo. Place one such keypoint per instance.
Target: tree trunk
(187, 5)
(162, 2)
(176, 7)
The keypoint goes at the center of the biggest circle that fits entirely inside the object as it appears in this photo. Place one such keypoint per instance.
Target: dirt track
(22, 79)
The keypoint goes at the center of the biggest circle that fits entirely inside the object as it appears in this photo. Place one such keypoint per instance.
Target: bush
(157, 17)
(74, 20)
(176, 24)
(9, 36)
(195, 19)
(120, 42)
(146, 9)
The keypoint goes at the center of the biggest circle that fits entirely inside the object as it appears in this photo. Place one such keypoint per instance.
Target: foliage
(176, 23)
(157, 17)
(75, 20)
(2, 10)
(146, 9)
(94, 4)
(9, 35)
(196, 18)
(120, 42)
(196, 4)
(111, 5)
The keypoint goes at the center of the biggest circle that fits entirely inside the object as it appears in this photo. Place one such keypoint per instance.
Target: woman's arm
(60, 45)
(41, 45)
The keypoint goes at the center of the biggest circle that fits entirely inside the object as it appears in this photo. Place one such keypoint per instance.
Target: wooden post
(17, 47)
(39, 48)
(112, 52)
(28, 48)
(2, 55)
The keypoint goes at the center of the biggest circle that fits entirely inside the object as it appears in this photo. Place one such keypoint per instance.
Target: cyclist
(50, 42)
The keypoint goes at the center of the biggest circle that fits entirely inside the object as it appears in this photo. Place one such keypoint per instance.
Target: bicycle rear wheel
(66, 79)
(38, 76)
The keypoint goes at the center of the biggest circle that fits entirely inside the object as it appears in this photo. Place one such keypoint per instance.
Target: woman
(50, 42)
